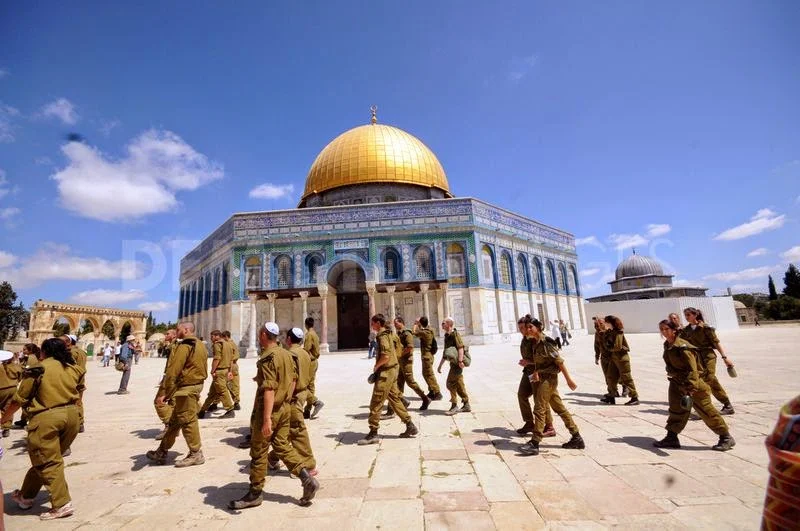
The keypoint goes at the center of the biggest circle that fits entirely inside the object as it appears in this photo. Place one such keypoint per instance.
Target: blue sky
(674, 127)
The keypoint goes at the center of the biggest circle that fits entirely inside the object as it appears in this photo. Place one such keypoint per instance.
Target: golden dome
(375, 153)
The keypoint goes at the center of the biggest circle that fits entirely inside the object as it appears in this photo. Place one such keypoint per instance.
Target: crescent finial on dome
(374, 111)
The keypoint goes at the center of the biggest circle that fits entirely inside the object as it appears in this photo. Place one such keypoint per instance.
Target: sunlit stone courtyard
(461, 472)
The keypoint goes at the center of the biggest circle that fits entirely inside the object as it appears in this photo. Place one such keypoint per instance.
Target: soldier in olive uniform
(30, 358)
(406, 360)
(311, 345)
(704, 337)
(271, 424)
(525, 389)
(455, 377)
(615, 344)
(9, 378)
(547, 363)
(234, 382)
(687, 390)
(298, 434)
(186, 371)
(384, 384)
(49, 393)
(426, 338)
(220, 373)
(164, 409)
(81, 358)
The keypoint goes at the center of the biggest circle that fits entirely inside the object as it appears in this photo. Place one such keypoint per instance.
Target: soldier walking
(615, 344)
(406, 361)
(234, 382)
(426, 339)
(455, 377)
(220, 374)
(311, 345)
(525, 389)
(164, 409)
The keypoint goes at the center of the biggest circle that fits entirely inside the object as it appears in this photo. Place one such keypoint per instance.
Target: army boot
(727, 409)
(307, 412)
(193, 458)
(465, 408)
(530, 448)
(526, 428)
(607, 399)
(437, 396)
(318, 405)
(201, 414)
(411, 431)
(229, 414)
(405, 401)
(634, 401)
(575, 443)
(310, 487)
(6, 432)
(425, 403)
(371, 438)
(251, 499)
(236, 406)
(725, 443)
(273, 465)
(453, 409)
(670, 441)
(158, 457)
(212, 407)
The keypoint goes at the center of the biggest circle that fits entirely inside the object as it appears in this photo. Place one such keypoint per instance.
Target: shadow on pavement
(497, 431)
(644, 443)
(146, 434)
(347, 437)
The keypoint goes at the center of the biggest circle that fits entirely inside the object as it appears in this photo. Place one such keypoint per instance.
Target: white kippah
(298, 333)
(272, 328)
(6, 355)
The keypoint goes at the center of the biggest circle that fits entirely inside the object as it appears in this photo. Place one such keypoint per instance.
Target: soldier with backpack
(428, 348)
(455, 377)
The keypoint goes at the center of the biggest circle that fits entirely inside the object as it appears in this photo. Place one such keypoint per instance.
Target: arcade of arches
(44, 314)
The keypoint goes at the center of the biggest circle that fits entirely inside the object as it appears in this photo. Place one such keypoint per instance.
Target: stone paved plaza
(461, 472)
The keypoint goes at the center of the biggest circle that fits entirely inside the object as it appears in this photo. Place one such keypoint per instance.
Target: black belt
(222, 368)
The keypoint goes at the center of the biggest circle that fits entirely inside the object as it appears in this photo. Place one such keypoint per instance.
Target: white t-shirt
(107, 351)
(117, 349)
(555, 333)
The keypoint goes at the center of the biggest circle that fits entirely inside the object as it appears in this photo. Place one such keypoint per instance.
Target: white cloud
(7, 114)
(62, 108)
(8, 213)
(157, 306)
(157, 165)
(590, 271)
(108, 126)
(657, 229)
(763, 220)
(745, 274)
(108, 297)
(792, 255)
(6, 259)
(590, 240)
(626, 241)
(271, 191)
(520, 67)
(761, 251)
(746, 288)
(57, 262)
(685, 282)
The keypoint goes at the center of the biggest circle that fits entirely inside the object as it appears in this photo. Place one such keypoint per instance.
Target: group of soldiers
(690, 356)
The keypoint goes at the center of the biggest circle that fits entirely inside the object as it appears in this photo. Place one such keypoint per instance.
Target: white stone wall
(643, 315)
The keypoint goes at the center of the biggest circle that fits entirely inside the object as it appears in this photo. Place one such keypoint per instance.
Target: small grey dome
(637, 265)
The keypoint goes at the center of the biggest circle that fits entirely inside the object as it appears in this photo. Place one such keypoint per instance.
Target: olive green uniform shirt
(9, 374)
(406, 338)
(703, 337)
(425, 336)
(545, 356)
(453, 339)
(59, 385)
(187, 365)
(275, 371)
(302, 362)
(387, 347)
(681, 364)
(614, 342)
(311, 344)
(80, 356)
(599, 345)
(229, 354)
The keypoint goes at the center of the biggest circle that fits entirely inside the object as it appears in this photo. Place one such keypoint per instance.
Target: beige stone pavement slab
(455, 473)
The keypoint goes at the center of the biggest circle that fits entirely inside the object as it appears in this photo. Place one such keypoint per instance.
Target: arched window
(224, 287)
(215, 293)
(572, 280)
(536, 274)
(487, 264)
(207, 292)
(391, 264)
(313, 261)
(252, 271)
(201, 289)
(521, 273)
(505, 269)
(561, 279)
(283, 271)
(423, 263)
(456, 270)
(549, 276)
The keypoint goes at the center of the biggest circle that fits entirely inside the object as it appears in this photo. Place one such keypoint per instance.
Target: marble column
(304, 298)
(445, 304)
(371, 294)
(426, 310)
(392, 312)
(323, 294)
(252, 348)
(271, 297)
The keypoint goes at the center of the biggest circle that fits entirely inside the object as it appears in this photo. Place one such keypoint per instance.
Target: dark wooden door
(353, 320)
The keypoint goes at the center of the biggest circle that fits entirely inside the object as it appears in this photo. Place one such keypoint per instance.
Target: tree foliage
(61, 328)
(791, 281)
(13, 315)
(745, 298)
(108, 330)
(124, 332)
(783, 308)
(773, 293)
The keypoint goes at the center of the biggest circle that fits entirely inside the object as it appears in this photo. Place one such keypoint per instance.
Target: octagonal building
(377, 229)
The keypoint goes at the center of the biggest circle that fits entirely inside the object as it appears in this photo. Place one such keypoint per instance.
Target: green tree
(60, 328)
(13, 316)
(125, 332)
(108, 330)
(791, 282)
(784, 308)
(773, 294)
(745, 298)
(87, 328)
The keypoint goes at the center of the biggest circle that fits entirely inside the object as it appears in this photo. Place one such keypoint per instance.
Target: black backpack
(434, 346)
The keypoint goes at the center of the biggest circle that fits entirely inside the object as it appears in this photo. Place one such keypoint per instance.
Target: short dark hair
(293, 338)
(309, 322)
(32, 348)
(56, 349)
(423, 321)
(399, 320)
(669, 324)
(615, 322)
(227, 334)
(379, 318)
(216, 333)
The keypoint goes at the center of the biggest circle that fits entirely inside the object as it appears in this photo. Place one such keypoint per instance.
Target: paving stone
(447, 468)
(497, 481)
(511, 516)
(391, 514)
(392, 493)
(472, 520)
(441, 455)
(395, 468)
(558, 500)
(455, 482)
(467, 500)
